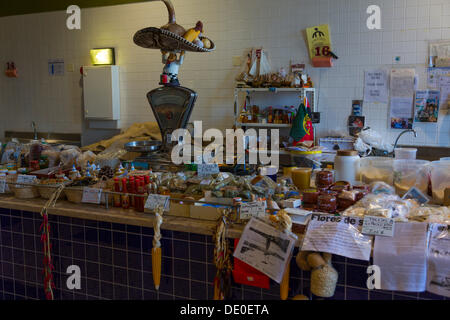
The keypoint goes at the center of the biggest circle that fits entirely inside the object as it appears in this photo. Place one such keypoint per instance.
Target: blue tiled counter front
(115, 263)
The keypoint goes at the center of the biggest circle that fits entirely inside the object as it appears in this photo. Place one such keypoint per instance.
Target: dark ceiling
(16, 7)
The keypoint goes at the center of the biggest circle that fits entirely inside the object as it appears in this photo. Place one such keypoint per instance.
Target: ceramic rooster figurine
(193, 33)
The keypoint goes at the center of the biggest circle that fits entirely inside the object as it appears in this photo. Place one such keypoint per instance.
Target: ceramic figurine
(171, 66)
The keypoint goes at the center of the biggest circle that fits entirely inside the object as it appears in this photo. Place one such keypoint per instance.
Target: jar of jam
(327, 203)
(310, 196)
(324, 178)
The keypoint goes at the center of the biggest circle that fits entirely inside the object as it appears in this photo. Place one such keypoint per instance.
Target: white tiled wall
(235, 26)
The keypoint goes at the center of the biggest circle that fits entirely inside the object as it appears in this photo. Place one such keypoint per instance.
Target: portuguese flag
(302, 129)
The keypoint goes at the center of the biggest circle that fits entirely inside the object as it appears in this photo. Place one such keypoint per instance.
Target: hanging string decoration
(222, 258)
(44, 229)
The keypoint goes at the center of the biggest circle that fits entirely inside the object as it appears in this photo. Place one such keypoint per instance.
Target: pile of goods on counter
(305, 207)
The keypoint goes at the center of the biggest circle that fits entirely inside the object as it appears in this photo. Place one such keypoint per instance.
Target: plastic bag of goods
(440, 179)
(411, 173)
(84, 158)
(374, 169)
(69, 156)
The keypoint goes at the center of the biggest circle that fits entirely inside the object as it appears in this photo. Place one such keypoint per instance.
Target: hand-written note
(206, 169)
(378, 226)
(91, 195)
(157, 200)
(253, 209)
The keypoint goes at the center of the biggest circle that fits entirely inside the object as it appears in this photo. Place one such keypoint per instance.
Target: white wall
(235, 26)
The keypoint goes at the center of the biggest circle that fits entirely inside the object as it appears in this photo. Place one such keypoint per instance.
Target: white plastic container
(411, 173)
(405, 153)
(440, 179)
(346, 166)
(376, 169)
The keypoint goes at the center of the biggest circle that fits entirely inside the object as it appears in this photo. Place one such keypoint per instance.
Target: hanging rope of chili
(222, 261)
(48, 267)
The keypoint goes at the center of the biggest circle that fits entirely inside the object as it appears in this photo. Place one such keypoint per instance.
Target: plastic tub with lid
(373, 169)
(405, 153)
(440, 179)
(411, 173)
(307, 159)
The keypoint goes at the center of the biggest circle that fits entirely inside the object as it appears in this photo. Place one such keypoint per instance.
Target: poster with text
(426, 106)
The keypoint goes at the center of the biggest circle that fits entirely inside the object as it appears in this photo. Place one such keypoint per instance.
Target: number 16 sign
(319, 43)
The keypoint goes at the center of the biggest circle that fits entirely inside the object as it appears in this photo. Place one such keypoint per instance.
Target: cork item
(323, 281)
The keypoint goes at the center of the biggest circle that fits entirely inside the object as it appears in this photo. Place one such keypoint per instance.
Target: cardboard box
(204, 211)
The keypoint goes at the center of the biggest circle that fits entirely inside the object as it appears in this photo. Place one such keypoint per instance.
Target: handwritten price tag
(378, 226)
(206, 169)
(252, 209)
(26, 179)
(156, 200)
(91, 195)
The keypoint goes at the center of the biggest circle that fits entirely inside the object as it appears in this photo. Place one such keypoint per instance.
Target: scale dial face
(172, 107)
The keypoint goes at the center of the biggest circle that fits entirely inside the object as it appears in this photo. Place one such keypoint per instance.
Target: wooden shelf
(265, 125)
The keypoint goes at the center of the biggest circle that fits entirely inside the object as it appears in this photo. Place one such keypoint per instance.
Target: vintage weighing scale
(172, 104)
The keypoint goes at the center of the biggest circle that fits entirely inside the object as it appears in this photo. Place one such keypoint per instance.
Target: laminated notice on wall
(337, 235)
(403, 258)
(438, 275)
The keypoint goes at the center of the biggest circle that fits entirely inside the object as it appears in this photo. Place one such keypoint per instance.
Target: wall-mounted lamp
(103, 56)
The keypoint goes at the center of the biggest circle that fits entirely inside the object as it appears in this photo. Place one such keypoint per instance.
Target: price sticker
(157, 200)
(25, 179)
(252, 209)
(378, 226)
(91, 195)
(2, 185)
(206, 169)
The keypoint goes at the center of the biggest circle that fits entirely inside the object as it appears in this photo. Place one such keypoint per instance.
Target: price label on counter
(26, 179)
(206, 169)
(157, 200)
(378, 226)
(252, 209)
(2, 185)
(91, 195)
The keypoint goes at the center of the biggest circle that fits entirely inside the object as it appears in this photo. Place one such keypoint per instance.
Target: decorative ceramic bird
(193, 33)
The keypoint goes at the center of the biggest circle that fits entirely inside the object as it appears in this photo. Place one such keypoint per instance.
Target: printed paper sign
(438, 281)
(91, 195)
(376, 86)
(337, 235)
(157, 200)
(378, 226)
(265, 248)
(253, 209)
(206, 169)
(319, 43)
(403, 258)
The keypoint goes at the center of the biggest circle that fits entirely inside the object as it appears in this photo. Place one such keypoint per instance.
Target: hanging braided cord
(49, 285)
(222, 257)
(157, 226)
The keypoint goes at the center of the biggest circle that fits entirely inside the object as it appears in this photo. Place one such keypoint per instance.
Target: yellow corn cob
(156, 266)
(191, 35)
(284, 285)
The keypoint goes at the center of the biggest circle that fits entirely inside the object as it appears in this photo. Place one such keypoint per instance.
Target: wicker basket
(46, 191)
(27, 192)
(74, 194)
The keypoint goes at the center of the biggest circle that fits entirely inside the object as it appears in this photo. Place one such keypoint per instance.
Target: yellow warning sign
(319, 43)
